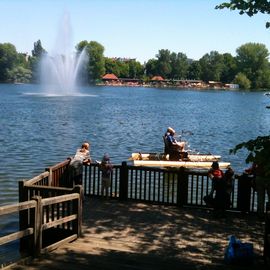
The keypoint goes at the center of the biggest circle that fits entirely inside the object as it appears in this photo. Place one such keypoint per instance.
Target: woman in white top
(81, 157)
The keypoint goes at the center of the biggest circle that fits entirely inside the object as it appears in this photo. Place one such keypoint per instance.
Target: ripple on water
(37, 131)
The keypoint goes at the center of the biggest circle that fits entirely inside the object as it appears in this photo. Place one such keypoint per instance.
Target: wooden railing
(166, 186)
(45, 223)
(156, 185)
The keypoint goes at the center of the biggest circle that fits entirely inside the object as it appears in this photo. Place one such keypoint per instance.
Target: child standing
(106, 171)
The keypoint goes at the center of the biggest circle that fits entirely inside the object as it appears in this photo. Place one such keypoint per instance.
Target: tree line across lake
(250, 68)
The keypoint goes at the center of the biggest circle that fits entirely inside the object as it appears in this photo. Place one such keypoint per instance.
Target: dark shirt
(106, 169)
(170, 138)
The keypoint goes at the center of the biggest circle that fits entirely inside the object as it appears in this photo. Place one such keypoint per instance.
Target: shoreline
(161, 85)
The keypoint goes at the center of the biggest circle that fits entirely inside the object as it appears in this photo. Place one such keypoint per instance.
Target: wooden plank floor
(128, 235)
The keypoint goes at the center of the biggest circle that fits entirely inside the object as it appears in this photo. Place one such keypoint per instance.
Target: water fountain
(60, 67)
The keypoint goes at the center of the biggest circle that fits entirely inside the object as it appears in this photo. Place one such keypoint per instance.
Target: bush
(242, 80)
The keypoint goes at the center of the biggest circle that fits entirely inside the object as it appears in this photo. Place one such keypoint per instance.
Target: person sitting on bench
(174, 148)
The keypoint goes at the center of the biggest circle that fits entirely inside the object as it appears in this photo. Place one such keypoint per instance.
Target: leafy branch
(259, 151)
(249, 7)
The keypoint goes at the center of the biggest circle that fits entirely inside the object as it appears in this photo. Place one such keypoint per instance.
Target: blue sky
(133, 28)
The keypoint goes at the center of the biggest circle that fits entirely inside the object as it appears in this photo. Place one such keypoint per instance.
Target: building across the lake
(159, 81)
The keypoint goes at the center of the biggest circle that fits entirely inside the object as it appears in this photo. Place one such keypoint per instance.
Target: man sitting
(174, 148)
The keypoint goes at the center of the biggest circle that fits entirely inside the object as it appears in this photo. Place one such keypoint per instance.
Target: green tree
(263, 79)
(119, 67)
(179, 66)
(19, 74)
(242, 80)
(249, 7)
(38, 50)
(136, 69)
(111, 66)
(211, 66)
(252, 59)
(8, 60)
(229, 68)
(96, 61)
(81, 45)
(123, 69)
(163, 63)
(194, 70)
(151, 68)
(34, 61)
(23, 60)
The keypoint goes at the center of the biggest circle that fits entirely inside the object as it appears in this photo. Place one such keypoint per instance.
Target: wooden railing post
(23, 215)
(22, 191)
(77, 225)
(182, 187)
(244, 193)
(50, 178)
(123, 188)
(37, 224)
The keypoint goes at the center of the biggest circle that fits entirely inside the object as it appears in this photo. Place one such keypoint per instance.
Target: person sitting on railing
(175, 148)
(81, 157)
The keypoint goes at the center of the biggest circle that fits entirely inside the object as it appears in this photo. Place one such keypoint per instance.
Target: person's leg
(108, 185)
(102, 187)
(260, 198)
(182, 146)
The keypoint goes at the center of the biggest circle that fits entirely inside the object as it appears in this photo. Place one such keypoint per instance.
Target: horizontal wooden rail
(59, 243)
(9, 209)
(38, 178)
(16, 236)
(59, 165)
(61, 214)
(58, 222)
(17, 208)
(59, 199)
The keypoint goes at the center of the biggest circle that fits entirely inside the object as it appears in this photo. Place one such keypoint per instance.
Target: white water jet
(60, 68)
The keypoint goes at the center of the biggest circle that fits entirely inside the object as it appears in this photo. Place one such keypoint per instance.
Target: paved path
(126, 235)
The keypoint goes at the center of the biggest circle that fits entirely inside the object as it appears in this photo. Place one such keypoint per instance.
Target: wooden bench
(266, 250)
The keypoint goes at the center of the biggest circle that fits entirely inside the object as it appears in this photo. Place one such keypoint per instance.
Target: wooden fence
(172, 186)
(45, 223)
(166, 186)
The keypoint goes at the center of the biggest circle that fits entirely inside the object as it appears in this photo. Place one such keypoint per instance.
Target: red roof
(109, 77)
(157, 78)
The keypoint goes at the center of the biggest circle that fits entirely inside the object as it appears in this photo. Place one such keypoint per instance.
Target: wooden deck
(129, 235)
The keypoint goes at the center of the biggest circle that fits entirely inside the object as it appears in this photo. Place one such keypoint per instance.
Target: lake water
(38, 130)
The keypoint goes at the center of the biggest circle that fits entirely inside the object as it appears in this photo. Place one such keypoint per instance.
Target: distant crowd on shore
(158, 81)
